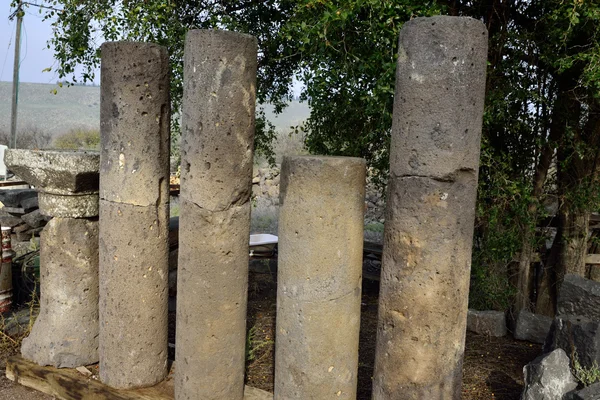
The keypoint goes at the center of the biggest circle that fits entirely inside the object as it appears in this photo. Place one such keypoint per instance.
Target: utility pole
(15, 89)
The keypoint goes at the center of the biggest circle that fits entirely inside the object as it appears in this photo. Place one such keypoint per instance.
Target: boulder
(490, 323)
(34, 219)
(575, 334)
(532, 327)
(579, 296)
(591, 392)
(548, 377)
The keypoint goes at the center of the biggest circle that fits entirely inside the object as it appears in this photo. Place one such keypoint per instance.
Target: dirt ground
(493, 367)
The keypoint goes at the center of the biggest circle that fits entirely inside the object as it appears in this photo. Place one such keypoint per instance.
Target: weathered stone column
(65, 333)
(134, 214)
(319, 277)
(430, 210)
(216, 172)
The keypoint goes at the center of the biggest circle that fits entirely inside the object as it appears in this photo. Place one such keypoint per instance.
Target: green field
(79, 107)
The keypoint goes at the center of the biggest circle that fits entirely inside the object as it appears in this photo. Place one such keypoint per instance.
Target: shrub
(78, 139)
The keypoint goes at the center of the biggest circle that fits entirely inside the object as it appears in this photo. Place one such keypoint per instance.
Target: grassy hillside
(79, 107)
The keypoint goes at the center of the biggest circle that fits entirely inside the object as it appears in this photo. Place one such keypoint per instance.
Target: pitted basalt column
(216, 174)
(430, 210)
(65, 333)
(134, 214)
(319, 277)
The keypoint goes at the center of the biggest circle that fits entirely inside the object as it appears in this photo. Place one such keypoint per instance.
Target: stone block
(34, 219)
(134, 292)
(81, 206)
(218, 116)
(532, 327)
(579, 296)
(30, 203)
(15, 197)
(490, 323)
(548, 377)
(65, 333)
(57, 172)
(10, 221)
(135, 118)
(578, 335)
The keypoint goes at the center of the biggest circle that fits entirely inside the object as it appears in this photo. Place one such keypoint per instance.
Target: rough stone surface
(82, 206)
(34, 219)
(65, 333)
(30, 203)
(579, 296)
(216, 171)
(575, 334)
(15, 197)
(212, 281)
(134, 123)
(54, 171)
(134, 224)
(591, 392)
(218, 118)
(532, 327)
(438, 109)
(548, 377)
(319, 277)
(490, 323)
(441, 72)
(133, 294)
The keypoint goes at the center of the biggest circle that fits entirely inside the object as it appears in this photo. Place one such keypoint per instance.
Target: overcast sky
(34, 54)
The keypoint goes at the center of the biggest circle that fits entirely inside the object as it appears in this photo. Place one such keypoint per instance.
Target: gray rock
(30, 203)
(53, 171)
(591, 392)
(532, 327)
(548, 377)
(579, 296)
(10, 221)
(491, 323)
(34, 219)
(15, 197)
(575, 334)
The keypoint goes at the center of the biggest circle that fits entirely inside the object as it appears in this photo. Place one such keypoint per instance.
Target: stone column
(216, 173)
(134, 213)
(65, 333)
(430, 210)
(319, 277)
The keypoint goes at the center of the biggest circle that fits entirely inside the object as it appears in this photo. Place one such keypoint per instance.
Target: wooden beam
(69, 384)
(592, 259)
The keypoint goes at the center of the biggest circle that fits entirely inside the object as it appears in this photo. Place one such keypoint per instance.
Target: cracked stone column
(65, 333)
(434, 160)
(134, 214)
(319, 279)
(216, 174)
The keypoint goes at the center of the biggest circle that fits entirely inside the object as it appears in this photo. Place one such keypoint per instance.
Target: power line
(7, 51)
(42, 6)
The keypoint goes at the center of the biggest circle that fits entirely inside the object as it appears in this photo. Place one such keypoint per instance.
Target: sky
(34, 54)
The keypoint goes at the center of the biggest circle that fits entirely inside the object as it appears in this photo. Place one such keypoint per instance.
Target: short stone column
(134, 213)
(65, 333)
(430, 209)
(319, 277)
(216, 173)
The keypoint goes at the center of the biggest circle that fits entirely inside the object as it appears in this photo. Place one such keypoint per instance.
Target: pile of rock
(265, 185)
(573, 335)
(20, 211)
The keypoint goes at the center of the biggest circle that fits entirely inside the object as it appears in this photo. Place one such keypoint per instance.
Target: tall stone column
(319, 277)
(134, 213)
(216, 173)
(65, 333)
(430, 210)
